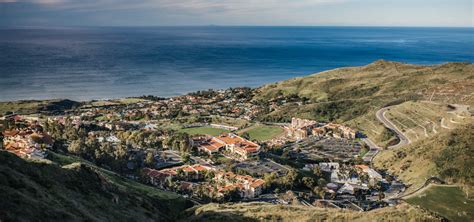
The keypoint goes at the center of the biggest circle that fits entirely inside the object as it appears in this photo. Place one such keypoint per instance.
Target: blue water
(97, 63)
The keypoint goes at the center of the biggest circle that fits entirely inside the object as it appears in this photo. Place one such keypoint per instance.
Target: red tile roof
(238, 141)
(10, 133)
(188, 169)
(212, 145)
(199, 168)
(362, 167)
(256, 183)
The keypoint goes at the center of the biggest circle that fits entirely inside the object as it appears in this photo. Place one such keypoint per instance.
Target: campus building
(243, 148)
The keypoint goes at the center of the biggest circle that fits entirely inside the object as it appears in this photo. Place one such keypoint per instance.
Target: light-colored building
(235, 144)
(373, 175)
(240, 146)
(248, 186)
(300, 128)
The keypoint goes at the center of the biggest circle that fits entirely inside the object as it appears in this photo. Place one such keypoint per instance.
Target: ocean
(87, 63)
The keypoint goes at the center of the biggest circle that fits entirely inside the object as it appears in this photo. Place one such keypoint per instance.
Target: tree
(186, 157)
(364, 177)
(289, 181)
(91, 146)
(233, 194)
(120, 152)
(210, 175)
(381, 195)
(319, 192)
(317, 171)
(322, 182)
(107, 150)
(269, 179)
(245, 135)
(76, 147)
(149, 159)
(36, 139)
(308, 182)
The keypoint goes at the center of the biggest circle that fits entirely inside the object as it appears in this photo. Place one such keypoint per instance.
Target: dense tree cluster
(129, 148)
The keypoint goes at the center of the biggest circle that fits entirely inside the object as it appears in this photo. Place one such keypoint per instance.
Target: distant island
(385, 141)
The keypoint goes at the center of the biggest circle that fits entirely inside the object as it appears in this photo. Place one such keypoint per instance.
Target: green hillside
(45, 191)
(448, 155)
(353, 95)
(459, 207)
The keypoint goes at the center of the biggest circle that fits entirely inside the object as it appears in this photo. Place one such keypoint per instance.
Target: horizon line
(213, 25)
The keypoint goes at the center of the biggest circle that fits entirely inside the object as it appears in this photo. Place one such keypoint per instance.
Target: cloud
(191, 5)
(238, 12)
(41, 2)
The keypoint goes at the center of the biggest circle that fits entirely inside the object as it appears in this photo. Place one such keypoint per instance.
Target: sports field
(262, 133)
(204, 130)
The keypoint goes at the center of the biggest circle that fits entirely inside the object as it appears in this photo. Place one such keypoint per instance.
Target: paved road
(199, 160)
(430, 181)
(374, 149)
(381, 117)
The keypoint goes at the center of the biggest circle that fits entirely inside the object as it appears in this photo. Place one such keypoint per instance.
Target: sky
(440, 13)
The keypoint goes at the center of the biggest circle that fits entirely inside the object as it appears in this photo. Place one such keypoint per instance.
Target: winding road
(374, 149)
(381, 117)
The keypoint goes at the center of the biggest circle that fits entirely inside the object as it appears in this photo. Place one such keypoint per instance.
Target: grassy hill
(380, 79)
(353, 95)
(45, 191)
(269, 212)
(36, 106)
(448, 155)
(459, 207)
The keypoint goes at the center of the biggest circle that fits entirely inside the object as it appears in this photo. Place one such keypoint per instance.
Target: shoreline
(218, 89)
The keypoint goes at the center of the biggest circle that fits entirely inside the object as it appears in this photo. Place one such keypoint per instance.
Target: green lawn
(262, 133)
(204, 130)
(450, 202)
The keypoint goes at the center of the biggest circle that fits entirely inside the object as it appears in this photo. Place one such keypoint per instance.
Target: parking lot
(326, 148)
(261, 167)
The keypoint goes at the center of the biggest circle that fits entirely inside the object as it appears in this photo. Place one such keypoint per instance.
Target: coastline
(215, 89)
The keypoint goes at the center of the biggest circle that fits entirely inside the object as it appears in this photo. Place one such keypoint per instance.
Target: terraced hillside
(420, 120)
(353, 95)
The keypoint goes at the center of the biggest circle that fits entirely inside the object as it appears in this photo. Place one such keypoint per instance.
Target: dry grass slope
(269, 212)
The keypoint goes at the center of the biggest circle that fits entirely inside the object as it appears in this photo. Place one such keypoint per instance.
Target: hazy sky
(236, 12)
